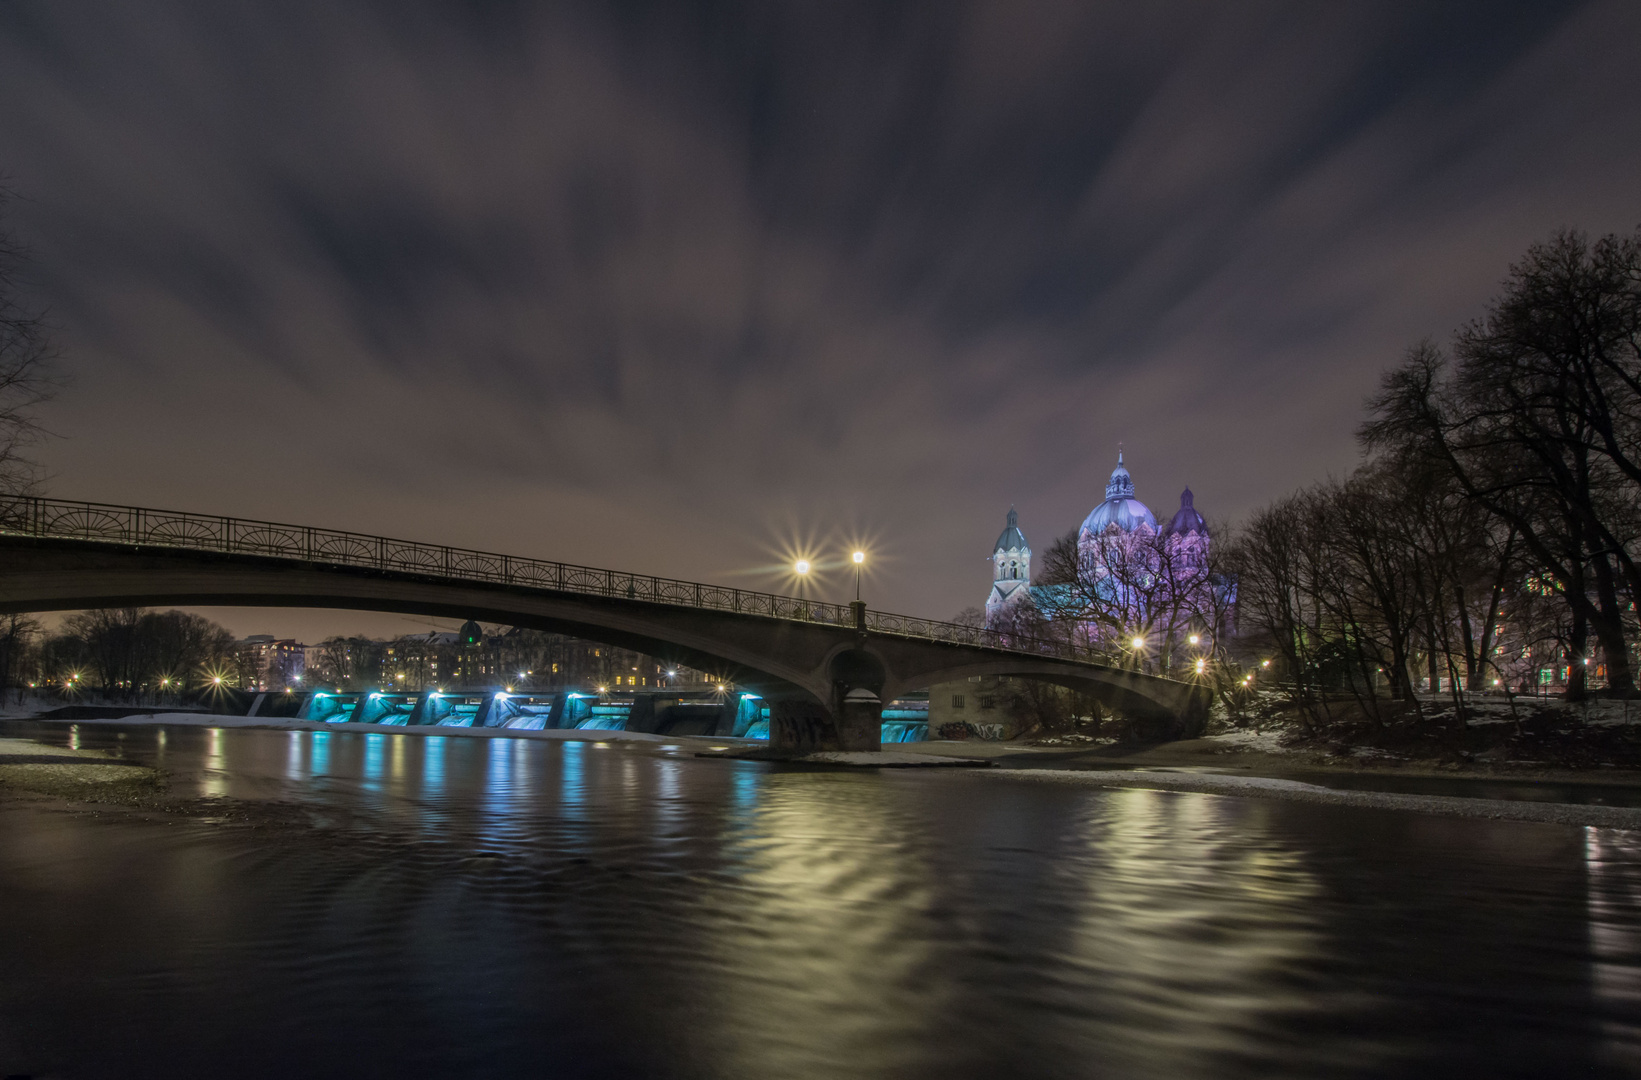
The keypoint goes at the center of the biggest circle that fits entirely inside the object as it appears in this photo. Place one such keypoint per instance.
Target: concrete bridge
(823, 668)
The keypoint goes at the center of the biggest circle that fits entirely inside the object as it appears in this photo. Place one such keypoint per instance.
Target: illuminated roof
(1187, 520)
(1120, 507)
(1012, 538)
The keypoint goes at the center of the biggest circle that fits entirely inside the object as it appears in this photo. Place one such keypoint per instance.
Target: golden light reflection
(1192, 892)
(215, 779)
(1612, 860)
(829, 927)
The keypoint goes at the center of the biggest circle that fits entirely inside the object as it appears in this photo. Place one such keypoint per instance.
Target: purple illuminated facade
(1135, 581)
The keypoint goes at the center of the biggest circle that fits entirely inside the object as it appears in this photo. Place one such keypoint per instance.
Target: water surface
(403, 905)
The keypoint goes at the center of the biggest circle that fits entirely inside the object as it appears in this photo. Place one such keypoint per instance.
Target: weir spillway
(726, 715)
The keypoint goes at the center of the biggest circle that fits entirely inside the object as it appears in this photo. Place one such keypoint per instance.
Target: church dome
(1187, 520)
(1120, 507)
(1012, 538)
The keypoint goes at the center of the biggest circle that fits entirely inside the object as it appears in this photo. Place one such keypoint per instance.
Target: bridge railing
(106, 523)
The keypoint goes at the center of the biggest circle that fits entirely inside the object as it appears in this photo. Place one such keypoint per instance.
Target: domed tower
(1187, 534)
(1010, 569)
(1120, 511)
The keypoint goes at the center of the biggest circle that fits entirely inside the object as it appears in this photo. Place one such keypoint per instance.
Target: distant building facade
(270, 663)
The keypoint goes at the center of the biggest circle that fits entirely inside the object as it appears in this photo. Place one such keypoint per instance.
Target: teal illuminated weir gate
(732, 715)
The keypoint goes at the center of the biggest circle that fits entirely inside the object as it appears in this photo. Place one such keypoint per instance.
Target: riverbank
(1263, 754)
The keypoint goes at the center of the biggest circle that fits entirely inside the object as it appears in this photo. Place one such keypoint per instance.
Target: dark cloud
(656, 285)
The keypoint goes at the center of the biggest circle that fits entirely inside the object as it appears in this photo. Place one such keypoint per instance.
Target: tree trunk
(1577, 644)
(1609, 632)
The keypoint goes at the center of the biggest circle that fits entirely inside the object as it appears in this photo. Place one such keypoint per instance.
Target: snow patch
(885, 758)
(1264, 742)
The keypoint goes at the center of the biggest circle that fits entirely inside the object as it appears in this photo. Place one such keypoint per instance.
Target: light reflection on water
(433, 766)
(1614, 861)
(835, 896)
(498, 907)
(1234, 913)
(215, 780)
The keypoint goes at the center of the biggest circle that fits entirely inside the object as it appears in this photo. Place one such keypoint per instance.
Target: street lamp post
(859, 557)
(801, 568)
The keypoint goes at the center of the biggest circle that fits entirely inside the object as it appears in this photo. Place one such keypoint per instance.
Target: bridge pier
(800, 725)
(860, 720)
(852, 720)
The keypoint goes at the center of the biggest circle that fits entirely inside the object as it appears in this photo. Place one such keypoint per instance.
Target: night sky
(667, 287)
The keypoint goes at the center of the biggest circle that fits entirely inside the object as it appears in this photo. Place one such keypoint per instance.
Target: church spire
(1121, 485)
(1012, 539)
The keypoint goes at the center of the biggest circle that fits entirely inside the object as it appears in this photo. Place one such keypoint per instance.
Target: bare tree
(109, 638)
(27, 374)
(1539, 421)
(1280, 560)
(17, 633)
(348, 663)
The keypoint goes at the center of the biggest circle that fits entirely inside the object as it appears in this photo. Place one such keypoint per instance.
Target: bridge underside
(824, 682)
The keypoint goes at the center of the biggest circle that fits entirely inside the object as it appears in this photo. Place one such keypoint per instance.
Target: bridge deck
(130, 525)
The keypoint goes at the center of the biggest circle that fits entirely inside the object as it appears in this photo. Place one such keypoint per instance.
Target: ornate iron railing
(104, 523)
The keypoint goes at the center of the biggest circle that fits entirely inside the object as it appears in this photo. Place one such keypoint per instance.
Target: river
(353, 905)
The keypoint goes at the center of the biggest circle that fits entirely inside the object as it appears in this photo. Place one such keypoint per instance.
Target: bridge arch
(824, 668)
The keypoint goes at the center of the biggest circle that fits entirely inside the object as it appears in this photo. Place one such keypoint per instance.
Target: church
(1134, 581)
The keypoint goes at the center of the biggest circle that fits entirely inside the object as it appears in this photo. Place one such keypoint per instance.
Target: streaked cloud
(648, 285)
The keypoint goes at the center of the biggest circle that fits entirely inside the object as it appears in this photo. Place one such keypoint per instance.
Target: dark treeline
(121, 651)
(28, 374)
(1489, 541)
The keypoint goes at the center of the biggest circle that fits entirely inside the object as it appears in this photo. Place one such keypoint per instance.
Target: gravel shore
(87, 775)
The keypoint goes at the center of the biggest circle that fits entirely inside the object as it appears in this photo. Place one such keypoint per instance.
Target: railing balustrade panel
(56, 519)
